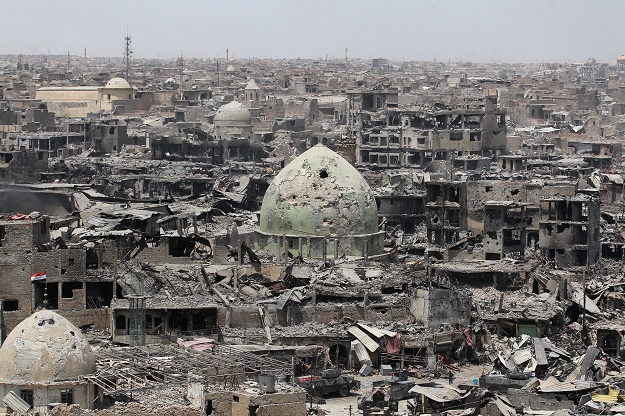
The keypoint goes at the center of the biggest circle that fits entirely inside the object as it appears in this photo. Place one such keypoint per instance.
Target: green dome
(319, 194)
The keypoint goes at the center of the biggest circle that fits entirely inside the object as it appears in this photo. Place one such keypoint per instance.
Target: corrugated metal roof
(373, 331)
(549, 346)
(573, 375)
(589, 361)
(15, 402)
(361, 353)
(377, 332)
(364, 338)
(614, 393)
(505, 408)
(553, 385)
(521, 356)
(141, 214)
(440, 393)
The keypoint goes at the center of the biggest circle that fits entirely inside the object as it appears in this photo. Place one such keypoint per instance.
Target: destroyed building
(218, 231)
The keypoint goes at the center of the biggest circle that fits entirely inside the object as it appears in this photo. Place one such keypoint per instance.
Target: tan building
(82, 100)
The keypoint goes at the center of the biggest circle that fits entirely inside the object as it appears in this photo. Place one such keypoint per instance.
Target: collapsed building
(243, 230)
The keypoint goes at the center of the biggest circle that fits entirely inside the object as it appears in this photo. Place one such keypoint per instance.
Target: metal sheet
(376, 332)
(504, 408)
(553, 385)
(16, 403)
(589, 361)
(361, 353)
(577, 296)
(366, 340)
(440, 393)
(549, 346)
(373, 331)
(521, 356)
(539, 352)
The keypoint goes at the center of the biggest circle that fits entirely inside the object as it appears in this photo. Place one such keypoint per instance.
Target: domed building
(319, 205)
(44, 360)
(233, 120)
(79, 101)
(233, 133)
(117, 89)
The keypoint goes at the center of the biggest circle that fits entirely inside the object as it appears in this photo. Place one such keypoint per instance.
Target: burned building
(569, 230)
(109, 136)
(445, 215)
(404, 137)
(22, 166)
(504, 230)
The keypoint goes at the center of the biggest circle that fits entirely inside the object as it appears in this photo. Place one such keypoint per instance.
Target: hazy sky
(475, 30)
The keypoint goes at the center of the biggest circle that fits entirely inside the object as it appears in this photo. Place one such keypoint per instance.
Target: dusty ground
(339, 406)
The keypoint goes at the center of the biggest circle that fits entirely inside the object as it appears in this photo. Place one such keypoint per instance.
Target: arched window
(120, 322)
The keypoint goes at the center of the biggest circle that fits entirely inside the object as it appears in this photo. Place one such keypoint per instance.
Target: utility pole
(127, 56)
(181, 73)
(346, 61)
(584, 330)
(218, 75)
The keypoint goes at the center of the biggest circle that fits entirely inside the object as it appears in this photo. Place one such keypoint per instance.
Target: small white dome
(118, 84)
(233, 112)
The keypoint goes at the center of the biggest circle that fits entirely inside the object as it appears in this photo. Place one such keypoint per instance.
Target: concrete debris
(196, 236)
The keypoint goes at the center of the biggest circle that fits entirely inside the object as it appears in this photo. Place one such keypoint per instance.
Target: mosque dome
(45, 348)
(319, 194)
(118, 84)
(233, 112)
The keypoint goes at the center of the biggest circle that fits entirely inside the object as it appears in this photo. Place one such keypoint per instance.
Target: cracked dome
(319, 194)
(45, 348)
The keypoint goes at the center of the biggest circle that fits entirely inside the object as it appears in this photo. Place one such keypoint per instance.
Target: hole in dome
(323, 174)
(72, 332)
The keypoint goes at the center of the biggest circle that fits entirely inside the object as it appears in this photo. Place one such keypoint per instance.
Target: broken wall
(431, 307)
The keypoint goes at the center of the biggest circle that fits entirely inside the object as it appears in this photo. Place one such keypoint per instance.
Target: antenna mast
(127, 57)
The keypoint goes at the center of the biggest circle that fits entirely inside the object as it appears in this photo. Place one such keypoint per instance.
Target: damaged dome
(45, 348)
(319, 194)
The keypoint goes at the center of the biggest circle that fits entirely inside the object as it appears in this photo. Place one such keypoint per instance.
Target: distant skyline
(509, 31)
